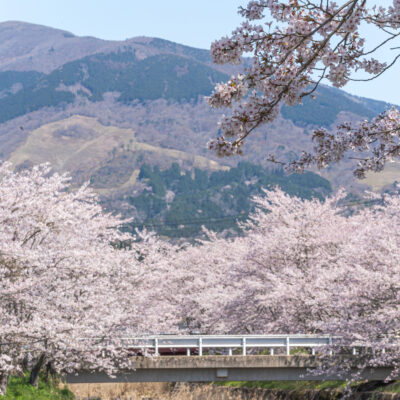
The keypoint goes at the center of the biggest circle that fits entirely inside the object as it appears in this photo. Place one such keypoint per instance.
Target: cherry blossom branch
(302, 37)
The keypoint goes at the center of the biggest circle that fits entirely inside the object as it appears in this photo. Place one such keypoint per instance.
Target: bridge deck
(218, 368)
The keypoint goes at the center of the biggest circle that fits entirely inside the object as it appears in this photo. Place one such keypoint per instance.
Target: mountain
(43, 67)
(31, 47)
(162, 76)
(103, 109)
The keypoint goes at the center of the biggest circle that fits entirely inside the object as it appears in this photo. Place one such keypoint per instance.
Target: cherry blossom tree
(297, 44)
(304, 267)
(73, 286)
(67, 288)
(333, 274)
(198, 284)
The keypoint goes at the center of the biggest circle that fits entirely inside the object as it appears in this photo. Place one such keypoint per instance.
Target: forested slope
(176, 203)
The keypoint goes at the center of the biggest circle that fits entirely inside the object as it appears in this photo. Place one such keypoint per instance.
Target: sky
(194, 23)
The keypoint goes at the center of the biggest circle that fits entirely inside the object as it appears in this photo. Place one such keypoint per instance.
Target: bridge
(229, 357)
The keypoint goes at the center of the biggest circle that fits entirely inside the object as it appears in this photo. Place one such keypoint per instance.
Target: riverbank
(233, 391)
(19, 389)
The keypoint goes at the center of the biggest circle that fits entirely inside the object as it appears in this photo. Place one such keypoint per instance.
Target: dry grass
(71, 152)
(125, 391)
(90, 147)
(378, 180)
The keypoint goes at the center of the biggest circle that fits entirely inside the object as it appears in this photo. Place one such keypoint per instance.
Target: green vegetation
(183, 76)
(166, 76)
(29, 100)
(29, 91)
(25, 78)
(20, 389)
(178, 203)
(161, 76)
(391, 388)
(328, 102)
(198, 54)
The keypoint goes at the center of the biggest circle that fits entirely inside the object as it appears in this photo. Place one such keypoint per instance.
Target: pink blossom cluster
(302, 266)
(225, 93)
(70, 281)
(378, 141)
(395, 11)
(296, 45)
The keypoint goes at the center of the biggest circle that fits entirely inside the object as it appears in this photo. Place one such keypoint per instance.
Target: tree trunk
(3, 382)
(34, 377)
(25, 363)
(50, 372)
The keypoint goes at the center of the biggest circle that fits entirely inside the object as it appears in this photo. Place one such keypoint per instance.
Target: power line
(216, 220)
(194, 221)
(361, 202)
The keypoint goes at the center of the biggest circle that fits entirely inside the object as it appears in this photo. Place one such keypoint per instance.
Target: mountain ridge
(31, 47)
(151, 86)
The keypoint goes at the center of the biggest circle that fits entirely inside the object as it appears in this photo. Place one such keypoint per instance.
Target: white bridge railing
(197, 343)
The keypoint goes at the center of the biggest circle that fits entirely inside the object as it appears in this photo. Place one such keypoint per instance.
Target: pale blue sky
(192, 22)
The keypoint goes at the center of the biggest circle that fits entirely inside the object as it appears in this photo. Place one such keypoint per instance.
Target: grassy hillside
(379, 180)
(74, 144)
(108, 155)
